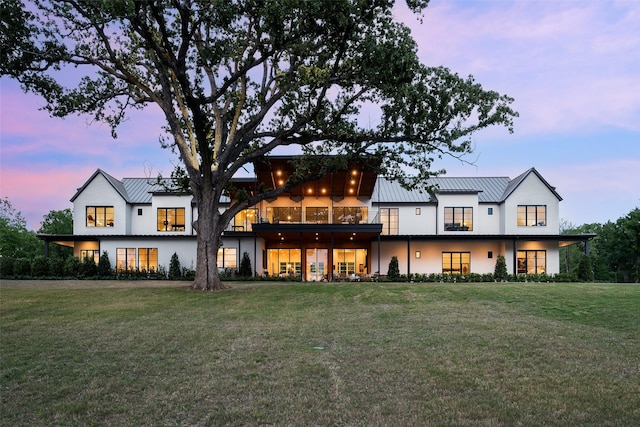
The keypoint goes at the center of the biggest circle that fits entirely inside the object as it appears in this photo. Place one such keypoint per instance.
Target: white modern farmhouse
(348, 224)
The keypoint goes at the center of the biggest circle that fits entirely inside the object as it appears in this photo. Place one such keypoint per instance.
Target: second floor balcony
(299, 215)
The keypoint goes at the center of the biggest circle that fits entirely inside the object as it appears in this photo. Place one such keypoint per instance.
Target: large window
(148, 259)
(532, 262)
(317, 215)
(349, 261)
(456, 262)
(284, 214)
(125, 259)
(170, 219)
(99, 216)
(389, 220)
(243, 220)
(532, 215)
(284, 262)
(227, 258)
(458, 219)
(350, 215)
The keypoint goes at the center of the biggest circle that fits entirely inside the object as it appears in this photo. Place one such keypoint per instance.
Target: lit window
(456, 262)
(148, 259)
(125, 259)
(418, 211)
(171, 219)
(458, 219)
(389, 218)
(91, 254)
(532, 262)
(317, 215)
(227, 258)
(100, 216)
(532, 215)
(351, 215)
(244, 219)
(418, 254)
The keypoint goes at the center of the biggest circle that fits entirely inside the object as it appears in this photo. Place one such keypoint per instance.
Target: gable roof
(132, 190)
(514, 183)
(117, 185)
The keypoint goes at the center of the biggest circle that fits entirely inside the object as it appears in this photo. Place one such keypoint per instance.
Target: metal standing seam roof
(489, 189)
(140, 189)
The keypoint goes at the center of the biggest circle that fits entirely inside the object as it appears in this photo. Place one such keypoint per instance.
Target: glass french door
(317, 259)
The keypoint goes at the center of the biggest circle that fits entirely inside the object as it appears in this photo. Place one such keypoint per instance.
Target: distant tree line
(614, 254)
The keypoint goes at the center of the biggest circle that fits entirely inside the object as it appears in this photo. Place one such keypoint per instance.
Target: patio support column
(331, 256)
(303, 259)
(379, 255)
(515, 257)
(408, 257)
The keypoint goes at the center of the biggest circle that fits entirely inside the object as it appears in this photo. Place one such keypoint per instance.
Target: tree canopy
(614, 253)
(236, 79)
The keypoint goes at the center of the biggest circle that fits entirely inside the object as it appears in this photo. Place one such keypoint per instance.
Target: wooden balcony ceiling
(358, 180)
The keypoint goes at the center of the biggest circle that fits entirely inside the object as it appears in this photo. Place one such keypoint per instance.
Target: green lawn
(322, 354)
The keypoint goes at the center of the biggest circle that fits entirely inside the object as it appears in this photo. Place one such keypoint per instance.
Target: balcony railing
(247, 225)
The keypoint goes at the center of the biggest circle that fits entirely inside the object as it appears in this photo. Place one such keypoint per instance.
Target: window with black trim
(227, 258)
(284, 214)
(532, 262)
(100, 216)
(456, 262)
(91, 254)
(125, 259)
(458, 219)
(317, 214)
(148, 259)
(171, 219)
(532, 215)
(350, 214)
(389, 217)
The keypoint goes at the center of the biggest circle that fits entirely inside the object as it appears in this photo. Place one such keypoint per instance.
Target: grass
(299, 354)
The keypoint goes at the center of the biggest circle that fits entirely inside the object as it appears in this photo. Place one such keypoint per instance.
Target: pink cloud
(571, 66)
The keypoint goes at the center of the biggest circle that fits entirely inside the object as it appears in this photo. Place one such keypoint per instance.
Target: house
(346, 225)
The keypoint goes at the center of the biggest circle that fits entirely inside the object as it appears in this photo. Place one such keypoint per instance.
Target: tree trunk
(209, 233)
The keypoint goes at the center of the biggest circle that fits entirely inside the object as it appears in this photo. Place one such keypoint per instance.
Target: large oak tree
(237, 78)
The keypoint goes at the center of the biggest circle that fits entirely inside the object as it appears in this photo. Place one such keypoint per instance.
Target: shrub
(245, 266)
(56, 266)
(500, 272)
(6, 266)
(72, 266)
(22, 267)
(104, 265)
(585, 269)
(394, 270)
(88, 268)
(188, 273)
(39, 266)
(175, 272)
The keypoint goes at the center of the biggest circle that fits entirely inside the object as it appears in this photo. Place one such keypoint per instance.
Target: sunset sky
(573, 68)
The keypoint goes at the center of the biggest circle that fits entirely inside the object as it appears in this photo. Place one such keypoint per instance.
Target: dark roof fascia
(458, 191)
(491, 237)
(432, 202)
(325, 228)
(98, 237)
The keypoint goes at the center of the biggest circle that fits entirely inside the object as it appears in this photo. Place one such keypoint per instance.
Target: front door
(317, 265)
